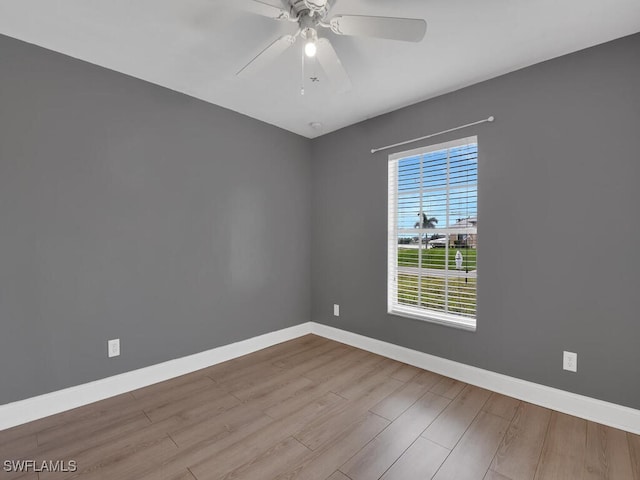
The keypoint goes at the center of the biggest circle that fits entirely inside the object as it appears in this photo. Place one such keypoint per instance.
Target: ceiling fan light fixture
(311, 37)
(310, 49)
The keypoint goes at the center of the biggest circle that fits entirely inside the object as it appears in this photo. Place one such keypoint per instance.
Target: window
(433, 236)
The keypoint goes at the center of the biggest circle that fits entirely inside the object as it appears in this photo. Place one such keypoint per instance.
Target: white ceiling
(197, 46)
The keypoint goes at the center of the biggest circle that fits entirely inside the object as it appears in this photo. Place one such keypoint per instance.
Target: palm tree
(426, 222)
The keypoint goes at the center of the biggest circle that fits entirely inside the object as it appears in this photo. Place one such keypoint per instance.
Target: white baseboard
(607, 413)
(33, 408)
(599, 411)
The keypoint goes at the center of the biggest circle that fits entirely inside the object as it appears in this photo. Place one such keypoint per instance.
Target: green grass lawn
(462, 293)
(435, 257)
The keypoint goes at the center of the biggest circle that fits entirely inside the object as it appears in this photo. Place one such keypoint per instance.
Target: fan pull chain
(302, 75)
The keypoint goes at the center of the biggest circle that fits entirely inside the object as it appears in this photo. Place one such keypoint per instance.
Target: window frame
(393, 306)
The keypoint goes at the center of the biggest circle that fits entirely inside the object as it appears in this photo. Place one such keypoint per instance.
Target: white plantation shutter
(432, 234)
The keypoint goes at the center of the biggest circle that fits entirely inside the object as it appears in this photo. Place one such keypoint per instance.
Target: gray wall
(131, 211)
(559, 227)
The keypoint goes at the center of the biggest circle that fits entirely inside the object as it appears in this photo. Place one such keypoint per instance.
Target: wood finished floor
(316, 409)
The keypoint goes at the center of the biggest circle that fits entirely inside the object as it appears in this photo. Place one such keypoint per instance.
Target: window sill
(455, 321)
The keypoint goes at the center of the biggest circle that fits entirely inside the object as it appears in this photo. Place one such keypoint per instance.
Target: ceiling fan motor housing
(318, 8)
(316, 5)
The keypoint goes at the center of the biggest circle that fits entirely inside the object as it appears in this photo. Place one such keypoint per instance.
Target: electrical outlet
(570, 361)
(336, 310)
(113, 347)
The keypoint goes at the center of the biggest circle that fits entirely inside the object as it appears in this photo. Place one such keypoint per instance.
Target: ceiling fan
(312, 16)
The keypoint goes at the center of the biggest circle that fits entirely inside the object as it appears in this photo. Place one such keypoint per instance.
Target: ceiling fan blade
(266, 10)
(330, 63)
(266, 56)
(406, 29)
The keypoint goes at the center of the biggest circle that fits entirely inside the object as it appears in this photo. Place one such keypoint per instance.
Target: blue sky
(463, 177)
